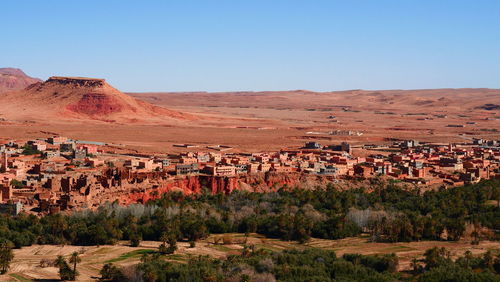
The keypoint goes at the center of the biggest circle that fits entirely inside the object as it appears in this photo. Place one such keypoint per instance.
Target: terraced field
(26, 265)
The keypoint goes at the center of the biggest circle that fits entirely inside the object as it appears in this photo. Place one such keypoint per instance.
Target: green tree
(30, 150)
(75, 259)
(415, 265)
(488, 261)
(169, 243)
(6, 256)
(193, 228)
(59, 261)
(109, 272)
(65, 271)
(134, 234)
(453, 272)
(436, 257)
(135, 240)
(16, 184)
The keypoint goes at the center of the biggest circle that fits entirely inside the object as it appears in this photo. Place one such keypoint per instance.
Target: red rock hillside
(83, 99)
(269, 181)
(14, 79)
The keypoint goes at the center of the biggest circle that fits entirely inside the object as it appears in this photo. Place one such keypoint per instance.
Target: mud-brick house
(363, 170)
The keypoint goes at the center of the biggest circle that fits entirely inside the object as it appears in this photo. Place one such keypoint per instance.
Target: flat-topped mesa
(83, 98)
(77, 81)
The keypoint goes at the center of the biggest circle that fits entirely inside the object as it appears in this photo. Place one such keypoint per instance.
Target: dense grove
(389, 214)
(316, 265)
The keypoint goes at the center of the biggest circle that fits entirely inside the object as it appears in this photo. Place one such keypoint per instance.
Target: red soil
(77, 98)
(95, 104)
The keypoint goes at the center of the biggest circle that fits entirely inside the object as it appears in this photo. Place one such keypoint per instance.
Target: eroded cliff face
(76, 81)
(252, 182)
(96, 104)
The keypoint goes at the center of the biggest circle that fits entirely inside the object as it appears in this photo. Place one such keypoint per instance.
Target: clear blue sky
(257, 45)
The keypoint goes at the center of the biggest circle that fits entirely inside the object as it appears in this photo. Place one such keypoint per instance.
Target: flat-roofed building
(56, 140)
(183, 169)
(252, 167)
(265, 167)
(223, 170)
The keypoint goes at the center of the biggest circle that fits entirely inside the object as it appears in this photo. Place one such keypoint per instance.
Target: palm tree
(74, 259)
(65, 271)
(59, 262)
(488, 260)
(415, 265)
(468, 257)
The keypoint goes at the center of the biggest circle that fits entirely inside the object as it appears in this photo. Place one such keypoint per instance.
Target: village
(55, 174)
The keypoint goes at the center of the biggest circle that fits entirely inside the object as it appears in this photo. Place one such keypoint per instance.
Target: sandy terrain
(27, 260)
(252, 121)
